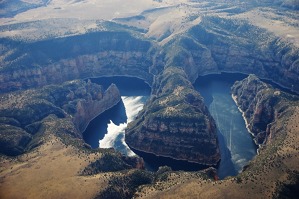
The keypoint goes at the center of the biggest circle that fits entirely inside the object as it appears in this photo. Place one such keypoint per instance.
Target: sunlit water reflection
(108, 129)
(115, 136)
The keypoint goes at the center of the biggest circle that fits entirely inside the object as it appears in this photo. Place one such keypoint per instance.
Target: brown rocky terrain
(61, 167)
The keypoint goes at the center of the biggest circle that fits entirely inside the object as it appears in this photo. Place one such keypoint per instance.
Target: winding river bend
(236, 144)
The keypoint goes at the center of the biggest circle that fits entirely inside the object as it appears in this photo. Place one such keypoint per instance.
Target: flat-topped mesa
(175, 123)
(261, 104)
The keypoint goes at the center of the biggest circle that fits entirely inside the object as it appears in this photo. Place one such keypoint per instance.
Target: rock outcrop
(91, 107)
(230, 45)
(175, 122)
(261, 104)
(25, 115)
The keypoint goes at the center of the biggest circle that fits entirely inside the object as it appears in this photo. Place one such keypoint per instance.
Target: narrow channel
(236, 144)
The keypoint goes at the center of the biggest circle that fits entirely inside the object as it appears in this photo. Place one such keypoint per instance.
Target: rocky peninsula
(175, 122)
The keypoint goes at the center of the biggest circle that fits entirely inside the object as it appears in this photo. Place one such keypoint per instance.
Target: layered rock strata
(76, 57)
(261, 105)
(66, 109)
(211, 45)
(175, 122)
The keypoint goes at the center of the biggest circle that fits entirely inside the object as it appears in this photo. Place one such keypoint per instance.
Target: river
(236, 144)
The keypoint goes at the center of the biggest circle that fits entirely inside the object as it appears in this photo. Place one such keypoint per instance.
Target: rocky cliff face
(25, 115)
(91, 107)
(77, 57)
(261, 104)
(175, 122)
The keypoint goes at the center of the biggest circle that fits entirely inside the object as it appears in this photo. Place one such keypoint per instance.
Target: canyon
(47, 100)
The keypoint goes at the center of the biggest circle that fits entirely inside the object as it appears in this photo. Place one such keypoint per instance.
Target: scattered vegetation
(125, 186)
(109, 162)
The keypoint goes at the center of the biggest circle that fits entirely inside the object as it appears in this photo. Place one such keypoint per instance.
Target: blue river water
(236, 144)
